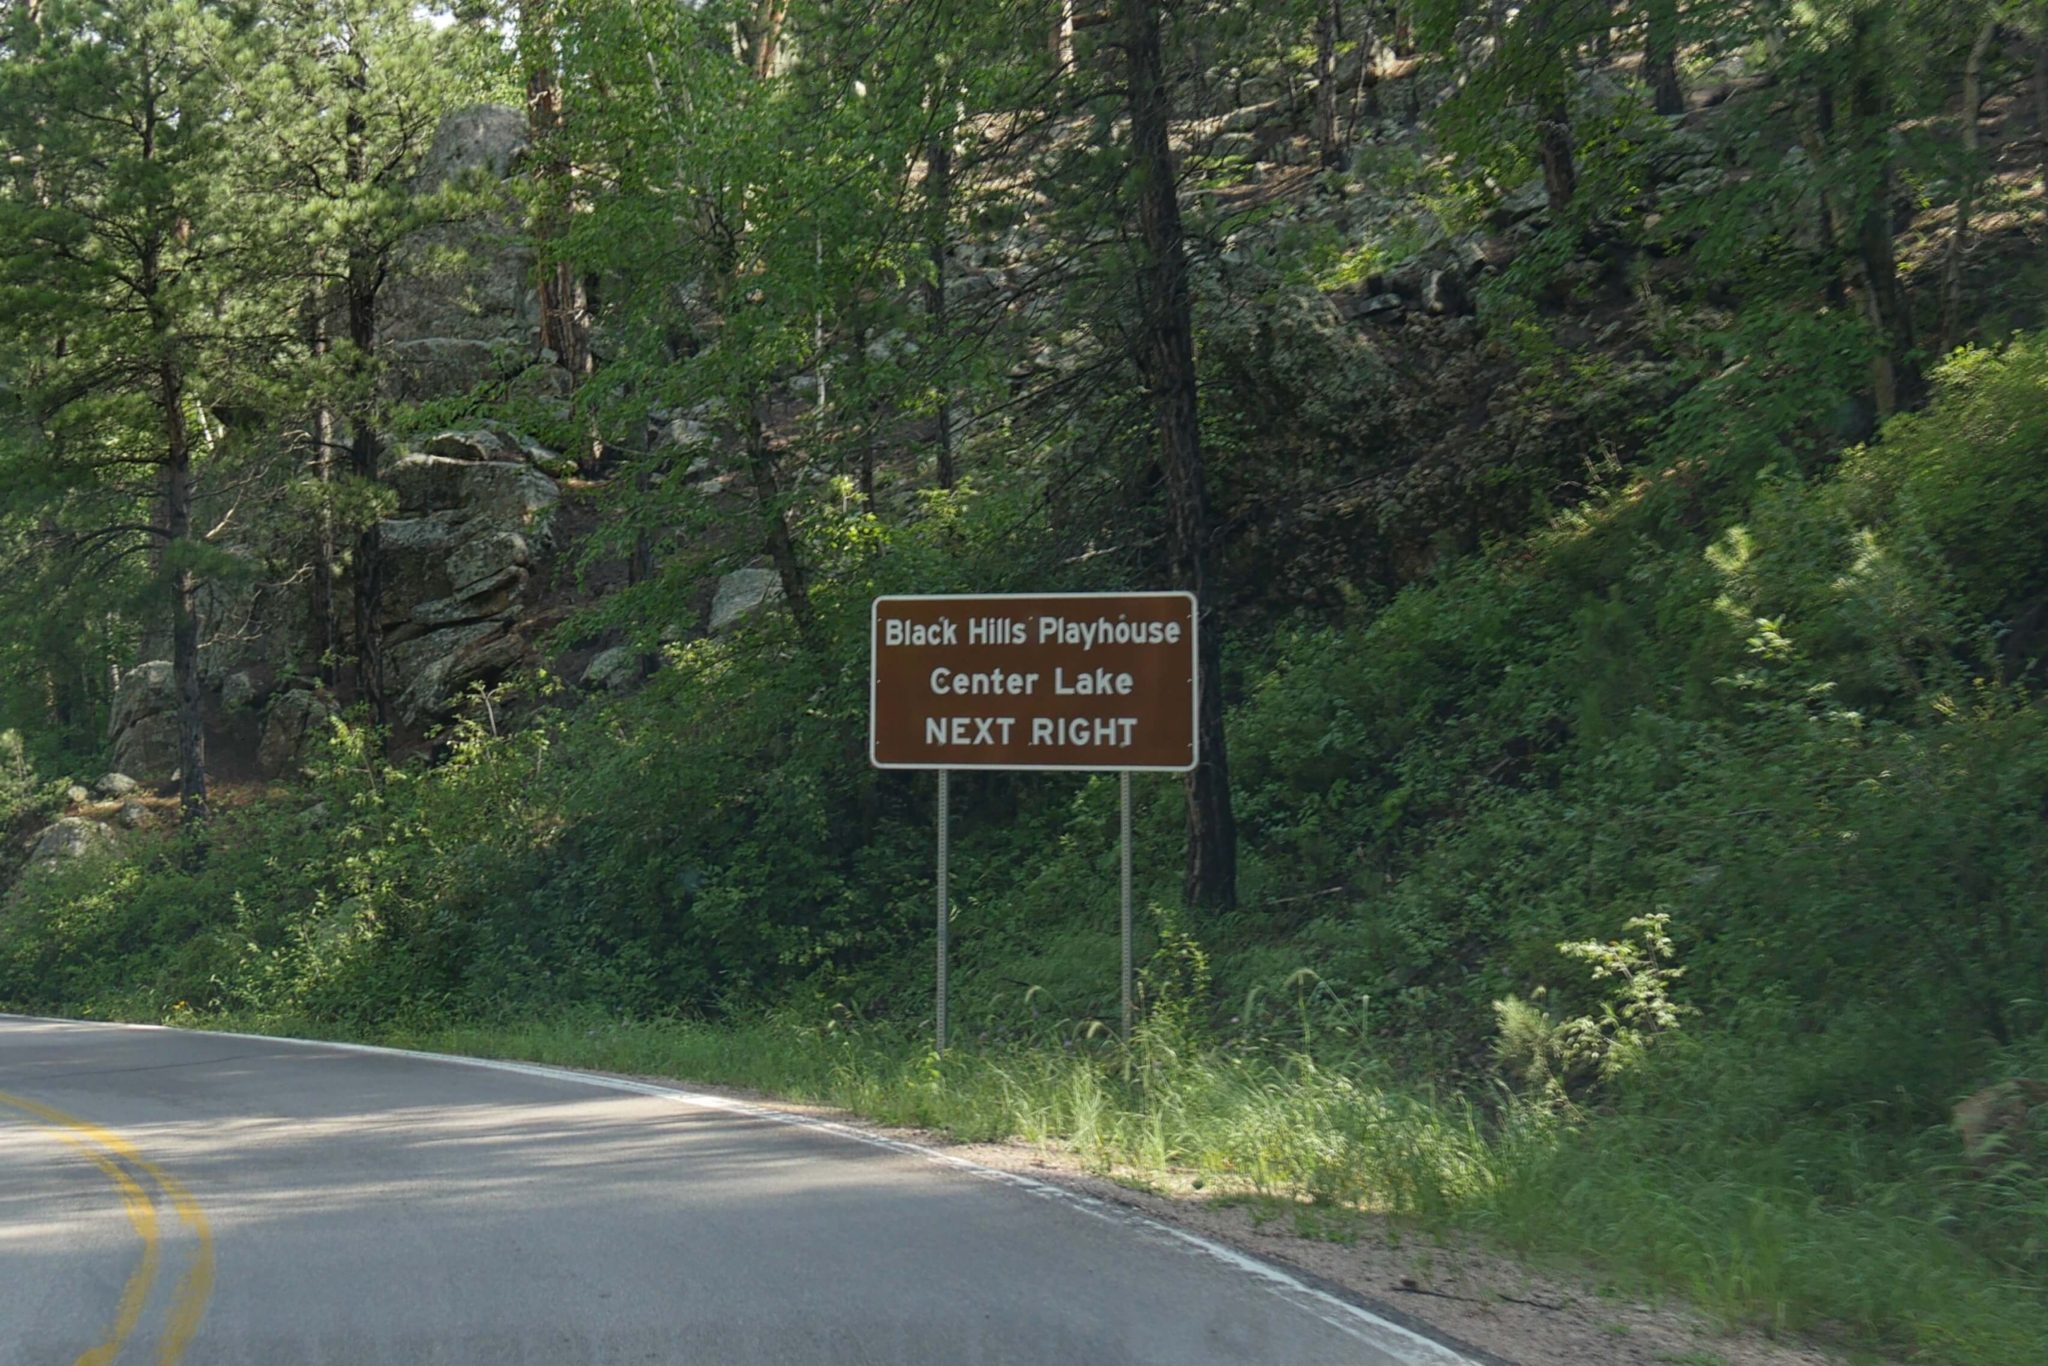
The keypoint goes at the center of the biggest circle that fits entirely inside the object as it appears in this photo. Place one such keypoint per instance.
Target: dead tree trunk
(1167, 360)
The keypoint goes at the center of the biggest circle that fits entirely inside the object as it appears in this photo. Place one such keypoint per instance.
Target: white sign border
(1194, 682)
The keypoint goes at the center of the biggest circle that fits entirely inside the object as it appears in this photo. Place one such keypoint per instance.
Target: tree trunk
(1660, 57)
(326, 570)
(1168, 362)
(1959, 239)
(184, 596)
(360, 286)
(2041, 95)
(368, 574)
(1896, 379)
(938, 189)
(1063, 35)
(780, 540)
(1554, 147)
(761, 35)
(564, 308)
(1329, 136)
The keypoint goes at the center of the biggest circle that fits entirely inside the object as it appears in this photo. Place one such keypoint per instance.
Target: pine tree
(131, 309)
(344, 99)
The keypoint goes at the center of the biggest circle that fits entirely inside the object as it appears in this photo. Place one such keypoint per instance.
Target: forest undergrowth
(1637, 896)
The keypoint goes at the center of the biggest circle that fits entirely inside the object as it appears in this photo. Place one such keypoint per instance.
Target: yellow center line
(188, 1301)
(142, 1214)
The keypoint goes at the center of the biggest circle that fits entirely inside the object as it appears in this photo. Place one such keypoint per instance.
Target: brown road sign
(1033, 680)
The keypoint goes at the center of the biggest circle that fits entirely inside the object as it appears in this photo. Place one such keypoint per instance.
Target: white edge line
(1354, 1319)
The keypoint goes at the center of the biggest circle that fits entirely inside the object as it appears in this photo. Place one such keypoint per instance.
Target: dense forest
(447, 457)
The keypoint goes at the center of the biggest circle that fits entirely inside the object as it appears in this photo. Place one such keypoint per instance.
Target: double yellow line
(120, 1160)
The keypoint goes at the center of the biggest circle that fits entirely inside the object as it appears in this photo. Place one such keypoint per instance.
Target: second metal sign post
(1089, 681)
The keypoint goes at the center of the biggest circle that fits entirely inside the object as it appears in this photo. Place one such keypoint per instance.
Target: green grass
(1735, 1226)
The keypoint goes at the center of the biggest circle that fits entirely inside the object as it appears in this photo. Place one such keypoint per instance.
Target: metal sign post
(1125, 785)
(1099, 682)
(945, 908)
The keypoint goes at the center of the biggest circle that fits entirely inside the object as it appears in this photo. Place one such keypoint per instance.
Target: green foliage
(1567, 642)
(1551, 1055)
(22, 798)
(1968, 478)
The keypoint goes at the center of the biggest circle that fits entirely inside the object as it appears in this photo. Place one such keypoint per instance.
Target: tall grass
(1736, 1223)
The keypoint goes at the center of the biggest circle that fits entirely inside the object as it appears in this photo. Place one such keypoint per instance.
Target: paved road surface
(212, 1200)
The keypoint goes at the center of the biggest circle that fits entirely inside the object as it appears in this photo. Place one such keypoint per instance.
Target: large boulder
(613, 670)
(741, 594)
(291, 726)
(434, 669)
(115, 785)
(68, 839)
(143, 730)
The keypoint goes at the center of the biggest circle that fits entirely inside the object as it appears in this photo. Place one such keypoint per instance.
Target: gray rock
(145, 690)
(741, 594)
(457, 565)
(459, 307)
(427, 483)
(483, 139)
(240, 689)
(434, 668)
(443, 367)
(1525, 202)
(683, 433)
(290, 727)
(1374, 306)
(487, 557)
(476, 445)
(487, 597)
(76, 795)
(67, 839)
(114, 785)
(613, 670)
(132, 815)
(149, 747)
(143, 729)
(508, 496)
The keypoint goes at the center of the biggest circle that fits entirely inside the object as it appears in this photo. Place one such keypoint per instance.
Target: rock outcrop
(143, 730)
(461, 307)
(474, 511)
(741, 594)
(613, 670)
(66, 839)
(291, 726)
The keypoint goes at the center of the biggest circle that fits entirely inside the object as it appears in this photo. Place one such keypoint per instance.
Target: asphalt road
(171, 1197)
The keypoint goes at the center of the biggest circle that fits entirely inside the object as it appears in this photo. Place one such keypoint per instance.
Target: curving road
(210, 1200)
